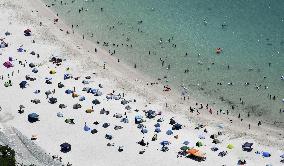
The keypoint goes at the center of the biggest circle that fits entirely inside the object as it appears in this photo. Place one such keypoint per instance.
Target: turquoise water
(250, 32)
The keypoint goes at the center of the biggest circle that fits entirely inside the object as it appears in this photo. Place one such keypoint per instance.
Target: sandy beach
(104, 97)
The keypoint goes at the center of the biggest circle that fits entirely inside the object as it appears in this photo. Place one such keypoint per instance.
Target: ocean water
(185, 34)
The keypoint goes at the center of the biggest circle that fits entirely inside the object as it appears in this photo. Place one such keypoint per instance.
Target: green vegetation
(7, 156)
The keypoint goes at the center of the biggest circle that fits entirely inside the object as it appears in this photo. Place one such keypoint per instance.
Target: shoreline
(126, 79)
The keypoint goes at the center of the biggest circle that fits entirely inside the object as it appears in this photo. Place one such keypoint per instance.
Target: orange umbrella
(192, 151)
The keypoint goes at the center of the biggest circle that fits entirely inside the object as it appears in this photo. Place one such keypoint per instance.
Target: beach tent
(65, 147)
(201, 136)
(98, 93)
(198, 144)
(86, 128)
(169, 132)
(138, 119)
(266, 154)
(230, 146)
(8, 64)
(247, 147)
(27, 32)
(33, 117)
(52, 71)
(157, 130)
(23, 84)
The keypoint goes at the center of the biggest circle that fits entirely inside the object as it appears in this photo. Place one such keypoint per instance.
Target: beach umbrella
(68, 91)
(186, 142)
(124, 120)
(96, 101)
(157, 130)
(199, 144)
(82, 98)
(35, 70)
(216, 141)
(20, 49)
(116, 97)
(177, 126)
(201, 136)
(184, 148)
(192, 151)
(123, 102)
(33, 117)
(165, 143)
(31, 65)
(94, 131)
(89, 110)
(169, 132)
(59, 114)
(105, 125)
(127, 107)
(23, 84)
(230, 146)
(8, 64)
(52, 71)
(266, 154)
(86, 128)
(282, 156)
(7, 33)
(157, 125)
(65, 147)
(144, 131)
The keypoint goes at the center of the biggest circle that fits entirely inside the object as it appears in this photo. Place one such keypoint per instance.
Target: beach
(110, 94)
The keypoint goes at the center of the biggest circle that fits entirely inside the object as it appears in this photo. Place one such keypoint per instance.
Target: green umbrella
(184, 148)
(199, 144)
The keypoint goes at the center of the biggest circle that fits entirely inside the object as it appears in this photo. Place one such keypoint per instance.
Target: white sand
(89, 149)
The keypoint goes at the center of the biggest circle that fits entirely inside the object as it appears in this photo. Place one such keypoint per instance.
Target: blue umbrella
(266, 154)
(86, 128)
(157, 125)
(157, 130)
(23, 84)
(144, 130)
(68, 91)
(186, 142)
(164, 143)
(82, 98)
(169, 132)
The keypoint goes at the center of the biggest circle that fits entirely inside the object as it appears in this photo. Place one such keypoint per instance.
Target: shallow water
(250, 32)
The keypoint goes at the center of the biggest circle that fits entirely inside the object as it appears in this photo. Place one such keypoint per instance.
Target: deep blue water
(250, 33)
